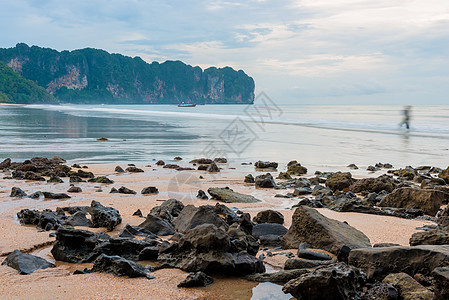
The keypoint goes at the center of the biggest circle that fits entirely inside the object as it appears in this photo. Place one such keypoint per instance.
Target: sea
(320, 137)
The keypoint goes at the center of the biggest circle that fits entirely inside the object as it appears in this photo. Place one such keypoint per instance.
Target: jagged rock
(408, 288)
(191, 217)
(125, 247)
(249, 179)
(138, 213)
(427, 200)
(381, 291)
(294, 263)
(202, 161)
(101, 179)
(339, 181)
(119, 169)
(213, 168)
(278, 277)
(295, 168)
(266, 165)
(443, 174)
(5, 164)
(160, 163)
(149, 190)
(202, 195)
(230, 216)
(168, 209)
(45, 219)
(103, 216)
(55, 179)
(79, 219)
(284, 175)
(373, 185)
(269, 216)
(309, 226)
(149, 253)
(133, 169)
(123, 190)
(17, 192)
(196, 279)
(381, 245)
(33, 176)
(441, 281)
(264, 229)
(229, 196)
(265, 181)
(338, 281)
(157, 225)
(378, 262)
(119, 266)
(74, 189)
(50, 195)
(74, 209)
(432, 237)
(132, 231)
(26, 263)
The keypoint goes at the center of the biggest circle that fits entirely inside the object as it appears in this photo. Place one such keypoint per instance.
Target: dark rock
(372, 169)
(265, 181)
(294, 263)
(168, 209)
(119, 169)
(101, 179)
(74, 189)
(266, 165)
(171, 166)
(309, 226)
(45, 219)
(157, 225)
(79, 219)
(373, 185)
(125, 247)
(229, 196)
(75, 179)
(191, 217)
(132, 231)
(295, 168)
(84, 174)
(444, 174)
(381, 291)
(103, 216)
(134, 170)
(33, 176)
(230, 216)
(213, 168)
(82, 272)
(427, 200)
(379, 262)
(249, 179)
(50, 195)
(408, 288)
(149, 190)
(160, 163)
(74, 209)
(339, 181)
(278, 277)
(202, 161)
(432, 237)
(202, 195)
(124, 190)
(203, 167)
(284, 175)
(302, 191)
(221, 160)
(138, 213)
(353, 167)
(269, 229)
(270, 240)
(196, 279)
(177, 158)
(305, 253)
(441, 280)
(149, 253)
(26, 263)
(17, 192)
(337, 281)
(381, 245)
(55, 179)
(269, 216)
(5, 164)
(119, 266)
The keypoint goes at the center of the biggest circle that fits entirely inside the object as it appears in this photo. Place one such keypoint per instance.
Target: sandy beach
(59, 283)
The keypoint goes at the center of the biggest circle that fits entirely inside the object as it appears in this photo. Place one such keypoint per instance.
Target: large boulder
(168, 209)
(441, 281)
(427, 200)
(445, 175)
(264, 229)
(373, 185)
(338, 281)
(125, 247)
(295, 168)
(103, 216)
(311, 227)
(227, 195)
(408, 288)
(120, 267)
(196, 279)
(431, 237)
(269, 216)
(78, 219)
(26, 263)
(339, 181)
(157, 225)
(46, 219)
(17, 192)
(191, 217)
(265, 181)
(379, 262)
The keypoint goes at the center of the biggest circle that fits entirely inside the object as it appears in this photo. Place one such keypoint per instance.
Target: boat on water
(186, 105)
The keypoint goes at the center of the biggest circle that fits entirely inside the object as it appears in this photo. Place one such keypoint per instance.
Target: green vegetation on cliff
(96, 76)
(16, 89)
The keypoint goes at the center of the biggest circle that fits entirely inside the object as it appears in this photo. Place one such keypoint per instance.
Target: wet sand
(182, 185)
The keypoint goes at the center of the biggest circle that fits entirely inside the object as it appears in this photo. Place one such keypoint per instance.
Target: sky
(297, 51)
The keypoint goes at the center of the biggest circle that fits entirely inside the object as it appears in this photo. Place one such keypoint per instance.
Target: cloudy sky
(303, 51)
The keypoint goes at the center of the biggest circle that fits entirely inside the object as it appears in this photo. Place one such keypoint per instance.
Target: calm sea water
(320, 137)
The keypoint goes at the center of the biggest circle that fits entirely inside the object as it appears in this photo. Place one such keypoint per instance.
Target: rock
(138, 213)
(221, 160)
(168, 209)
(249, 179)
(227, 195)
(177, 158)
(203, 167)
(123, 190)
(149, 190)
(284, 175)
(266, 165)
(49, 195)
(379, 262)
(79, 219)
(381, 245)
(83, 174)
(103, 216)
(427, 200)
(337, 281)
(353, 167)
(26, 263)
(339, 181)
(17, 192)
(171, 166)
(432, 237)
(381, 291)
(101, 179)
(149, 253)
(133, 169)
(202, 195)
(102, 139)
(408, 288)
(265, 181)
(294, 263)
(5, 164)
(75, 179)
(441, 281)
(119, 266)
(269, 216)
(74, 189)
(302, 191)
(305, 253)
(125, 247)
(231, 217)
(443, 174)
(372, 169)
(196, 279)
(270, 240)
(132, 231)
(33, 176)
(157, 225)
(295, 168)
(55, 179)
(45, 219)
(213, 168)
(373, 185)
(74, 209)
(119, 169)
(191, 217)
(309, 226)
(202, 161)
(282, 276)
(160, 163)
(265, 229)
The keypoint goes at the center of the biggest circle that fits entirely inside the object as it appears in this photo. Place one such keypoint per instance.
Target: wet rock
(381, 245)
(444, 174)
(265, 229)
(229, 196)
(202, 161)
(160, 163)
(432, 237)
(213, 168)
(278, 277)
(202, 195)
(103, 216)
(120, 267)
(177, 158)
(171, 166)
(5, 164)
(203, 167)
(33, 176)
(17, 192)
(353, 167)
(149, 190)
(26, 263)
(306, 253)
(191, 217)
(294, 263)
(83, 174)
(265, 181)
(408, 288)
(55, 179)
(269, 216)
(441, 281)
(309, 226)
(284, 175)
(133, 169)
(221, 160)
(266, 165)
(138, 213)
(74, 189)
(295, 168)
(427, 200)
(339, 181)
(119, 169)
(372, 169)
(373, 185)
(157, 225)
(196, 279)
(102, 139)
(36, 195)
(75, 179)
(249, 179)
(381, 291)
(101, 179)
(125, 247)
(50, 195)
(168, 209)
(78, 219)
(45, 219)
(133, 231)
(125, 190)
(337, 281)
(73, 209)
(379, 262)
(302, 191)
(270, 240)
(231, 217)
(149, 253)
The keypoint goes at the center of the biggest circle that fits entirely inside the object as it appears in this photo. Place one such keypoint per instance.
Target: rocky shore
(207, 229)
